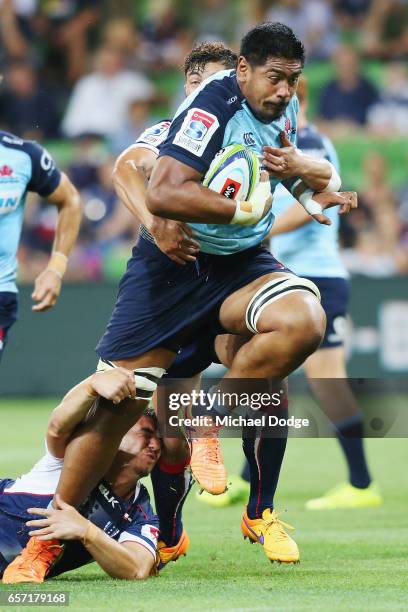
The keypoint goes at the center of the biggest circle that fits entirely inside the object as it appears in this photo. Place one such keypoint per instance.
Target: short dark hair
(271, 39)
(206, 52)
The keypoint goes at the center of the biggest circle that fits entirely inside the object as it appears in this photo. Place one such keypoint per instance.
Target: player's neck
(123, 479)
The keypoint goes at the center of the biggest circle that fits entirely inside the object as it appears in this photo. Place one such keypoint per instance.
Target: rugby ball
(234, 172)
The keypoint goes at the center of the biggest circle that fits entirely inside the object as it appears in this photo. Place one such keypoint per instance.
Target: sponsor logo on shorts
(230, 188)
(196, 131)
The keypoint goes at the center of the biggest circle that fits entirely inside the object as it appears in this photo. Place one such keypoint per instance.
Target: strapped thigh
(272, 291)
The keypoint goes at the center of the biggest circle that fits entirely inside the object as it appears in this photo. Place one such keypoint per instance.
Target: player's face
(143, 443)
(269, 88)
(197, 75)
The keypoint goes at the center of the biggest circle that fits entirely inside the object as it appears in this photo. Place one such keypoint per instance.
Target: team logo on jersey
(249, 139)
(230, 188)
(288, 125)
(6, 171)
(196, 131)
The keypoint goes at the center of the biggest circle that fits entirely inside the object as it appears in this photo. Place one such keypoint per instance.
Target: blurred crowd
(89, 76)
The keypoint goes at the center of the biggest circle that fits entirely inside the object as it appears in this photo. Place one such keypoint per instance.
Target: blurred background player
(313, 252)
(25, 166)
(115, 526)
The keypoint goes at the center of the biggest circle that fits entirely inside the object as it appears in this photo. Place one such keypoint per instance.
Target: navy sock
(350, 433)
(264, 455)
(171, 484)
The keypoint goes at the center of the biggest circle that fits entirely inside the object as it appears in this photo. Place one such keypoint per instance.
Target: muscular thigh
(233, 309)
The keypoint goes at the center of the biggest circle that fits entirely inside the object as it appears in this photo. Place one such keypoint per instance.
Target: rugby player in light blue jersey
(161, 306)
(312, 251)
(116, 526)
(26, 166)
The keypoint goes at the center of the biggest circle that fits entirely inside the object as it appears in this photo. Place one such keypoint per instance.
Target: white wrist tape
(309, 204)
(334, 183)
(250, 212)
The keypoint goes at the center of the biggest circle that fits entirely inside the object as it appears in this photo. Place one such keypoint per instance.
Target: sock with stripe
(264, 455)
(171, 484)
(350, 434)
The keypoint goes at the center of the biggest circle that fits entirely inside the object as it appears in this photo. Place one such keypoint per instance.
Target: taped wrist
(250, 212)
(309, 204)
(334, 183)
(58, 263)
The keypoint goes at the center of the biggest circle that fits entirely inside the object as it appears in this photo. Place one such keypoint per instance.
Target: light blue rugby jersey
(24, 166)
(216, 115)
(313, 249)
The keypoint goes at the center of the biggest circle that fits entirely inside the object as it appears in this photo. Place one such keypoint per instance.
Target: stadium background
(47, 49)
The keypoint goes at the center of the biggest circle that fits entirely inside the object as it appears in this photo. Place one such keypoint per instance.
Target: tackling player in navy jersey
(115, 526)
(161, 306)
(26, 166)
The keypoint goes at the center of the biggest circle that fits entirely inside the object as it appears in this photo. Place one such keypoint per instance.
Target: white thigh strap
(272, 291)
(146, 379)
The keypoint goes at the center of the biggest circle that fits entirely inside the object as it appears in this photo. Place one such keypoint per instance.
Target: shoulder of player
(11, 141)
(220, 93)
(30, 147)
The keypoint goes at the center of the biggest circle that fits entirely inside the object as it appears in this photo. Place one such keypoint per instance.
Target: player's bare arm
(127, 560)
(175, 191)
(131, 173)
(114, 385)
(47, 286)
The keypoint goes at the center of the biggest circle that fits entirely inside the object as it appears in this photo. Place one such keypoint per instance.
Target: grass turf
(354, 560)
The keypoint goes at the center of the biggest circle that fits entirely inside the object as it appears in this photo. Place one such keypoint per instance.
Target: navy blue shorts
(163, 304)
(335, 296)
(8, 316)
(200, 354)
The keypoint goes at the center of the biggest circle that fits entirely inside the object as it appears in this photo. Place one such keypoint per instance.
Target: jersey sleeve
(197, 131)
(45, 176)
(144, 528)
(154, 136)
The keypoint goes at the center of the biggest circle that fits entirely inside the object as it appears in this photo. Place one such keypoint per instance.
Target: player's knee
(306, 326)
(302, 325)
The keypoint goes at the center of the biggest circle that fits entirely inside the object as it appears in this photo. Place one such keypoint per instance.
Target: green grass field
(354, 560)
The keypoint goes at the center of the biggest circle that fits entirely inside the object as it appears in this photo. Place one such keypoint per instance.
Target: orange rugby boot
(207, 464)
(34, 561)
(172, 553)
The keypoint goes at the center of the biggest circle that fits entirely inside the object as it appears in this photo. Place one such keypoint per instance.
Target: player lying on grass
(115, 526)
(313, 252)
(25, 166)
(161, 307)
